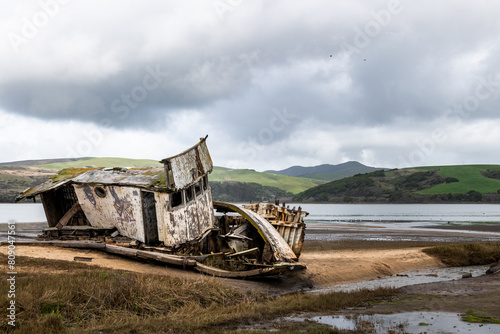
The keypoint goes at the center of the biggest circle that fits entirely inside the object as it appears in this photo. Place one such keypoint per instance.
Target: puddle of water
(409, 278)
(341, 322)
(409, 322)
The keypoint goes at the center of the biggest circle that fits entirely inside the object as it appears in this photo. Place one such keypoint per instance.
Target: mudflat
(324, 268)
(345, 261)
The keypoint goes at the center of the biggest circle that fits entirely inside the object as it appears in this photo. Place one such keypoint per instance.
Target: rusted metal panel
(119, 207)
(189, 166)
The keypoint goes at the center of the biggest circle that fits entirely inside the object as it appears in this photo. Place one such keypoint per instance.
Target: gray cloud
(134, 66)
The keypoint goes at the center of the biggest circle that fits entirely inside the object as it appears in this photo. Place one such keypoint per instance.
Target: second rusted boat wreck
(167, 214)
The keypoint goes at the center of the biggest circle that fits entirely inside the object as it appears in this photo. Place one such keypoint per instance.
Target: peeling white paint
(190, 166)
(185, 222)
(121, 207)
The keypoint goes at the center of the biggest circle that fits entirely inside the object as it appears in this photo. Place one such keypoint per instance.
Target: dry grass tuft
(468, 254)
(84, 299)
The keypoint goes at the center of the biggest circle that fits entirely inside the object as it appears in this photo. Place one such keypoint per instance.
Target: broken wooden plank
(165, 258)
(245, 252)
(68, 215)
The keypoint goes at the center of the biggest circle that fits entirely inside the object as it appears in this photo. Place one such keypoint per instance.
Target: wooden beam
(68, 215)
(166, 258)
(245, 252)
(238, 274)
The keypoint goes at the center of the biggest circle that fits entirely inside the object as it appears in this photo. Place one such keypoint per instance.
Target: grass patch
(287, 183)
(104, 162)
(467, 254)
(470, 178)
(479, 317)
(87, 299)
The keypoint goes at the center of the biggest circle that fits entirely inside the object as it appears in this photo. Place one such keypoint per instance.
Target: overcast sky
(272, 83)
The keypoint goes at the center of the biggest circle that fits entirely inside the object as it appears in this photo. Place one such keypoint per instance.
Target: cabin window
(176, 199)
(205, 182)
(189, 194)
(197, 188)
(169, 175)
(100, 192)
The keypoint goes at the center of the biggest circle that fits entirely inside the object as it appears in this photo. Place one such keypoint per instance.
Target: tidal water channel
(406, 322)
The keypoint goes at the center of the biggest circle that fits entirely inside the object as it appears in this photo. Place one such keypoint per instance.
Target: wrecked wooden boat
(167, 215)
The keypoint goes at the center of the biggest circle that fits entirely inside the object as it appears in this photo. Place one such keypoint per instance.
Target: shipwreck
(168, 215)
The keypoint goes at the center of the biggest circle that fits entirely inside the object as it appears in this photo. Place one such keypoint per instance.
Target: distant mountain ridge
(39, 162)
(428, 184)
(327, 172)
(236, 184)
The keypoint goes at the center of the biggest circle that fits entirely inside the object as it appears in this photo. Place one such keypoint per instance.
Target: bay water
(401, 215)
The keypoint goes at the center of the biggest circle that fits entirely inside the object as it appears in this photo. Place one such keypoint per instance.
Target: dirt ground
(328, 268)
(323, 268)
(345, 266)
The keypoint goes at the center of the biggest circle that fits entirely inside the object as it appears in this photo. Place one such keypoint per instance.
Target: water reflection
(408, 278)
(408, 322)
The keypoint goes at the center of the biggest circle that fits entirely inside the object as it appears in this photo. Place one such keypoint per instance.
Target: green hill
(220, 174)
(31, 163)
(245, 184)
(327, 172)
(15, 179)
(287, 183)
(435, 184)
(440, 184)
(103, 162)
(231, 191)
(470, 177)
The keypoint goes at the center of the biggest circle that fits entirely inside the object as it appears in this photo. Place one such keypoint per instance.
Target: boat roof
(185, 168)
(152, 178)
